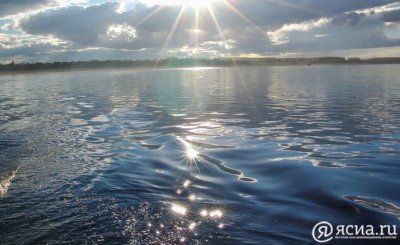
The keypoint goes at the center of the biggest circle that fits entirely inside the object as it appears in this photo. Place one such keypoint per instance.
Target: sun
(186, 3)
(194, 3)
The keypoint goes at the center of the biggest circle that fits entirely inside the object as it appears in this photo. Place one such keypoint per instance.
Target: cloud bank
(145, 29)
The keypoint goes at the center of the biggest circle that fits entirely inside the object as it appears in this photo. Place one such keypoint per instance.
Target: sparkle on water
(216, 214)
(190, 153)
(178, 209)
(186, 183)
(192, 197)
(192, 226)
(204, 213)
(283, 131)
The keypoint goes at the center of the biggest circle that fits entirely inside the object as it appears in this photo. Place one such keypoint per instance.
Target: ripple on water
(78, 122)
(376, 204)
(327, 164)
(100, 119)
(209, 146)
(113, 136)
(67, 99)
(72, 110)
(152, 146)
(85, 105)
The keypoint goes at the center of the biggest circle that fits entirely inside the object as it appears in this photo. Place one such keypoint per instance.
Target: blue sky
(59, 30)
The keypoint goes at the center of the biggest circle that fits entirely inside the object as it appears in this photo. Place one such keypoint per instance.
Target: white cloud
(125, 32)
(277, 38)
(280, 36)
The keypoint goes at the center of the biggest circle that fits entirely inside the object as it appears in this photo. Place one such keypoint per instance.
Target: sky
(60, 30)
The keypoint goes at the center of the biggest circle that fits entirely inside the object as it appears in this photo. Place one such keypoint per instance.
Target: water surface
(252, 155)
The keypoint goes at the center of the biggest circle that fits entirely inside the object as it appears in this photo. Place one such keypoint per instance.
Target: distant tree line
(192, 62)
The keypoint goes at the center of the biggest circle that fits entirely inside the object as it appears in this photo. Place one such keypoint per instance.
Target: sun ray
(151, 14)
(173, 29)
(242, 16)
(189, 3)
(195, 31)
(167, 40)
(216, 23)
(197, 18)
(218, 26)
(197, 26)
(143, 20)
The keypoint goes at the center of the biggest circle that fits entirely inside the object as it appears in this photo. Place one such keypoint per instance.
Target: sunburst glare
(178, 209)
(190, 3)
(190, 153)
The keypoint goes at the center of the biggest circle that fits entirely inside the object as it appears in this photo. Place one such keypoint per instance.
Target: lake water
(251, 155)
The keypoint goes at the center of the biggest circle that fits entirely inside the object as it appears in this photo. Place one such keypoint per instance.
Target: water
(252, 155)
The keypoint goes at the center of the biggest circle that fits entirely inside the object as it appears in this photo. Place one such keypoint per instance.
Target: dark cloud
(392, 16)
(77, 24)
(8, 7)
(275, 13)
(348, 19)
(367, 33)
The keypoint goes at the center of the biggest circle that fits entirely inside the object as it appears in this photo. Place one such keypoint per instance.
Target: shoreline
(186, 63)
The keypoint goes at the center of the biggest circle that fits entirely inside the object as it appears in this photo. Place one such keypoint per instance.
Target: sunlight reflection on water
(197, 156)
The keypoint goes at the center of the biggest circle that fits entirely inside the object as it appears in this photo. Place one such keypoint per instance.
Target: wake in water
(5, 181)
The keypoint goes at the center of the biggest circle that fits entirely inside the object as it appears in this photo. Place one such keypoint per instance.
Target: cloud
(8, 7)
(232, 27)
(77, 24)
(273, 14)
(392, 16)
(351, 19)
(347, 31)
